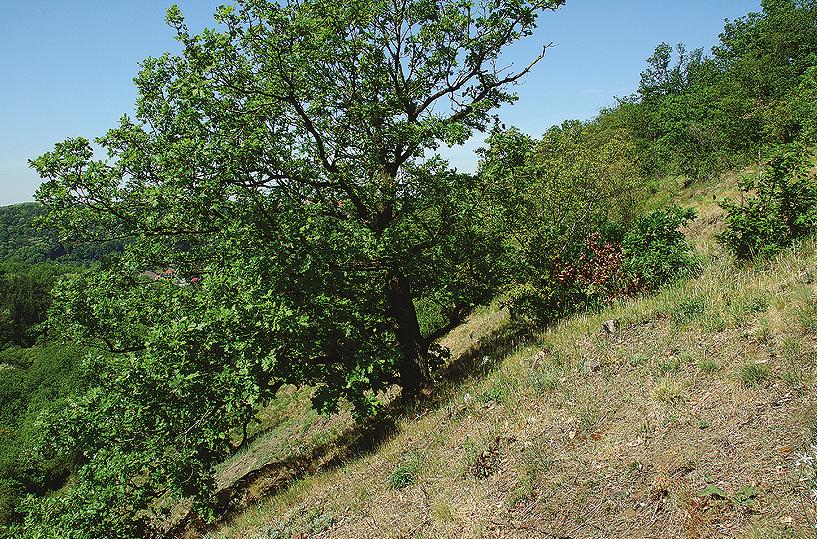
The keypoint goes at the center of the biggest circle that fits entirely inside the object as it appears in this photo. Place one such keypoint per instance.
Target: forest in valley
(276, 214)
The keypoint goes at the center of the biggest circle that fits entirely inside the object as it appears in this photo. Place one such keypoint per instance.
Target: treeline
(698, 114)
(582, 236)
(22, 240)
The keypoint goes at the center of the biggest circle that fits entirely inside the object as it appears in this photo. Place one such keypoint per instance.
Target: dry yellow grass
(687, 422)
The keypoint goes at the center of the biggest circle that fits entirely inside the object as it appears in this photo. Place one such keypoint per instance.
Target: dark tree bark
(413, 367)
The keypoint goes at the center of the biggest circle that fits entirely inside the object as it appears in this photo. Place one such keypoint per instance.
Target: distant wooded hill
(21, 241)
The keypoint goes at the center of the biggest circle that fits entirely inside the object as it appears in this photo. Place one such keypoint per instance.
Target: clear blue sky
(66, 68)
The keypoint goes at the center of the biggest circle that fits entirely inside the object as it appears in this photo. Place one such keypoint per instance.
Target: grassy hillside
(694, 418)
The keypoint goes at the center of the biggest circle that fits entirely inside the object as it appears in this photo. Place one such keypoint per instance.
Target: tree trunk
(413, 369)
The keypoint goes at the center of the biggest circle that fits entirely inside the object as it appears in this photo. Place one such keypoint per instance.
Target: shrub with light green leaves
(655, 248)
(777, 206)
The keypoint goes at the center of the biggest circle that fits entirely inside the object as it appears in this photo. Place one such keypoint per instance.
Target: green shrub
(777, 206)
(531, 304)
(655, 250)
(607, 264)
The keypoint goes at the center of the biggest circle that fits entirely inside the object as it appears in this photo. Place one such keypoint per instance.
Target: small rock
(592, 365)
(610, 326)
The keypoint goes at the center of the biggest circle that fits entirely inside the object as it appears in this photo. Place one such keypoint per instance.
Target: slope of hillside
(22, 241)
(693, 417)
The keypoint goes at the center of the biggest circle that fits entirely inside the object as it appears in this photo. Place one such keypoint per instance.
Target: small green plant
(470, 452)
(669, 390)
(638, 359)
(714, 492)
(708, 365)
(763, 332)
(442, 512)
(805, 309)
(544, 380)
(743, 497)
(646, 428)
(405, 474)
(589, 417)
(755, 304)
(687, 309)
(669, 365)
(531, 465)
(752, 374)
(498, 392)
(795, 378)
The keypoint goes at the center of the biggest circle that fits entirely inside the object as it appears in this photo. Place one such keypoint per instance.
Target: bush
(777, 206)
(655, 250)
(650, 254)
(529, 304)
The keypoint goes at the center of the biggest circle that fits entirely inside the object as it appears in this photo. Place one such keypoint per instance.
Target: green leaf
(713, 491)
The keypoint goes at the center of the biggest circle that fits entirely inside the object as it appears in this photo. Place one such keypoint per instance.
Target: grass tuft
(753, 374)
(405, 474)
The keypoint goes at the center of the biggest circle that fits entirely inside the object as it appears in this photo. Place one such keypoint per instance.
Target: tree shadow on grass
(359, 439)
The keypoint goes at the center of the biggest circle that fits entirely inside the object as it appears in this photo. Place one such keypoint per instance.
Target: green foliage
(21, 241)
(777, 206)
(708, 365)
(687, 309)
(553, 195)
(698, 115)
(24, 300)
(286, 162)
(652, 252)
(794, 117)
(283, 166)
(655, 249)
(529, 304)
(752, 374)
(33, 382)
(405, 474)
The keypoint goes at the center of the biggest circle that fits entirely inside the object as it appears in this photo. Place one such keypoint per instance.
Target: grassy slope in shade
(689, 421)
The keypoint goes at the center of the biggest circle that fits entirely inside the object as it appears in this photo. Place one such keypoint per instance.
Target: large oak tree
(288, 160)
